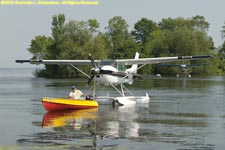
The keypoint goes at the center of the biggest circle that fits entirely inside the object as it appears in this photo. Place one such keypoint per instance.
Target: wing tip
(196, 57)
(203, 56)
(22, 61)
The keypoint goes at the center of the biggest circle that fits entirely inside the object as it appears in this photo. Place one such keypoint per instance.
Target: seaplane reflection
(99, 126)
(118, 123)
(113, 123)
(73, 118)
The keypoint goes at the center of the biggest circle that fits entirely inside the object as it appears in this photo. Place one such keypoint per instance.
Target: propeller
(90, 79)
(97, 70)
(94, 71)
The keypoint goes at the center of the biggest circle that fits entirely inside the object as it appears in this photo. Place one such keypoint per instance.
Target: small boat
(57, 104)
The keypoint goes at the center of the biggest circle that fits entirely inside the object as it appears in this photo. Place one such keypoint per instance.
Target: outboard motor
(89, 97)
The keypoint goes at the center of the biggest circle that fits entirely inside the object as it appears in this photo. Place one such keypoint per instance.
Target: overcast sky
(20, 24)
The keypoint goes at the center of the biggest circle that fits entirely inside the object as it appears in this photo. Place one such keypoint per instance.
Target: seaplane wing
(116, 61)
(181, 65)
(160, 59)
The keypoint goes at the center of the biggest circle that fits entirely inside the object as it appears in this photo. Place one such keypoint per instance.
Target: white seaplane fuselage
(115, 78)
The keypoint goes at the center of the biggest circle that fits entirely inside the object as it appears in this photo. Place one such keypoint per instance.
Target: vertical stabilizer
(134, 67)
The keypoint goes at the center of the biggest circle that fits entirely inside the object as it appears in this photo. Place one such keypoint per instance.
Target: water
(183, 114)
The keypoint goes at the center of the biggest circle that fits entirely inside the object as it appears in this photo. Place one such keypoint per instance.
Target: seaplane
(107, 72)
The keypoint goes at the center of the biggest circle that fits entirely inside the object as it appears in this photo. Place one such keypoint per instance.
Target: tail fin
(134, 67)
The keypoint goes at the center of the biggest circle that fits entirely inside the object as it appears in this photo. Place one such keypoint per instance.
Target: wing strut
(122, 94)
(79, 70)
(122, 89)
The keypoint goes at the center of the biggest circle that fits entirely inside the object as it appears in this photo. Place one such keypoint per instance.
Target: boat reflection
(73, 118)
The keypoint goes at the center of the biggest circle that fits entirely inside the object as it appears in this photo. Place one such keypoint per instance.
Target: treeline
(169, 37)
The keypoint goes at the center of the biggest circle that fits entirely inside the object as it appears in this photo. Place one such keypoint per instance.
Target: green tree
(222, 51)
(221, 55)
(120, 39)
(223, 31)
(41, 44)
(81, 38)
(58, 30)
(78, 39)
(58, 26)
(181, 36)
(159, 43)
(142, 30)
(55, 49)
(170, 37)
(200, 24)
(94, 25)
(78, 31)
(172, 24)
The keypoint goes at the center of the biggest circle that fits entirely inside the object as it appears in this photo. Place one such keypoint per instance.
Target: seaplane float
(106, 72)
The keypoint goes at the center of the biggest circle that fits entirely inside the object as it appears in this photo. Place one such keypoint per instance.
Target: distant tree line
(169, 37)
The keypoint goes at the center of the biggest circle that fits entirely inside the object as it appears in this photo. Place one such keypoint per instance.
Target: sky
(19, 24)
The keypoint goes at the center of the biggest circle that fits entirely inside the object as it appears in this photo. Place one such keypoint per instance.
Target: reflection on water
(68, 128)
(74, 118)
(95, 128)
(183, 114)
(109, 127)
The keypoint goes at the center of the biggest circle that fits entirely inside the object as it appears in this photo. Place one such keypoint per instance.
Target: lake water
(184, 113)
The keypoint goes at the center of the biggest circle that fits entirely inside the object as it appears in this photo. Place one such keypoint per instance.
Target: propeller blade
(90, 79)
(92, 60)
